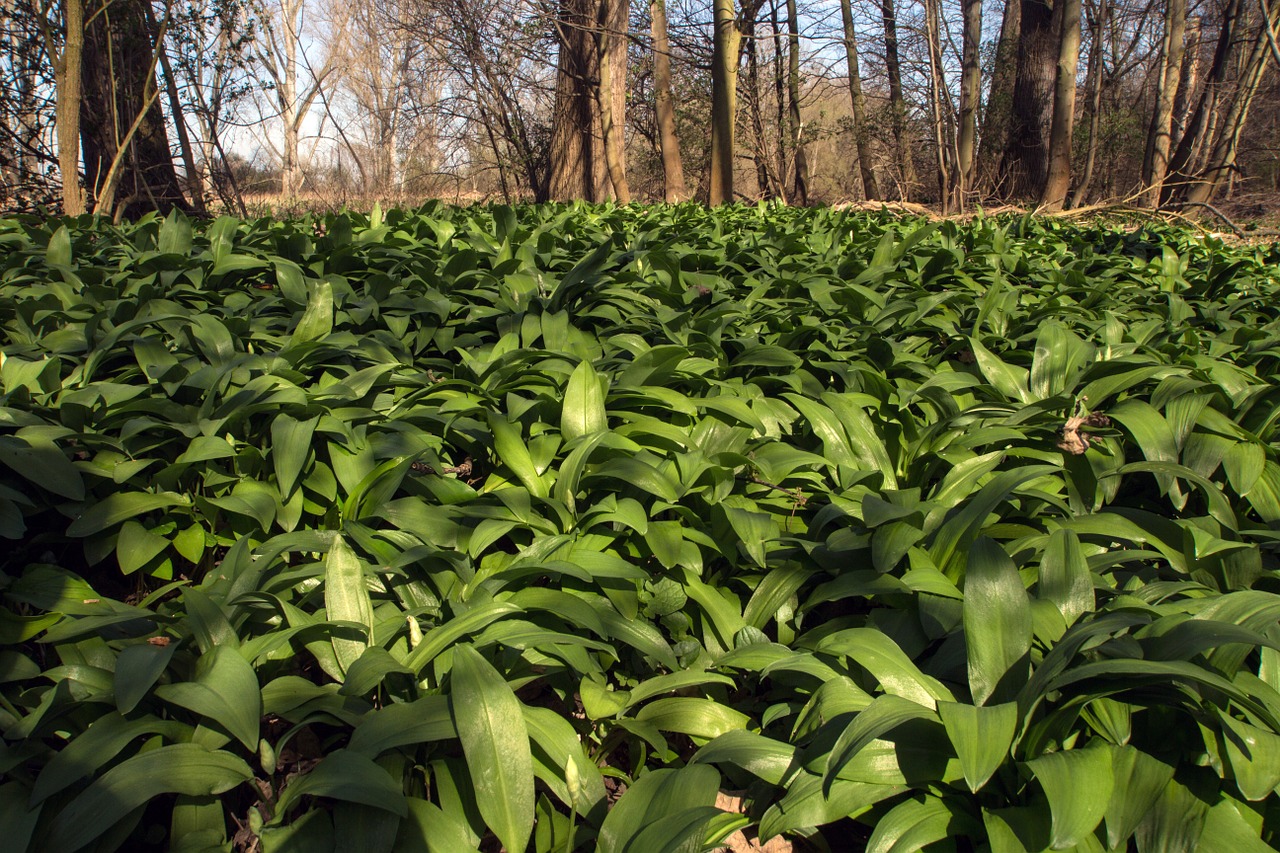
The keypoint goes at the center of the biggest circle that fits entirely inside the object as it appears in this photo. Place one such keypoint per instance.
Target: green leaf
(511, 450)
(121, 506)
(138, 668)
(997, 624)
(1064, 576)
(43, 464)
(666, 792)
(177, 769)
(346, 599)
(425, 720)
(760, 756)
(136, 546)
(58, 251)
(1078, 783)
(698, 718)
(317, 320)
(1254, 755)
(583, 411)
(495, 741)
(225, 690)
(882, 716)
(290, 447)
(912, 825)
(1139, 782)
(348, 776)
(429, 829)
(982, 736)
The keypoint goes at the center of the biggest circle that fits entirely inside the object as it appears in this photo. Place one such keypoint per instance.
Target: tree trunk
(941, 114)
(1025, 166)
(577, 154)
(870, 189)
(998, 117)
(897, 104)
(1064, 108)
(1188, 77)
(970, 94)
(764, 175)
(1094, 86)
(612, 92)
(195, 187)
(1222, 158)
(1155, 160)
(724, 101)
(67, 81)
(800, 182)
(672, 166)
(119, 84)
(1195, 134)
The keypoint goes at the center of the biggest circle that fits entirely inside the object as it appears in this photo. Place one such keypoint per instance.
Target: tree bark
(870, 189)
(119, 83)
(765, 183)
(897, 104)
(612, 93)
(724, 101)
(998, 117)
(577, 156)
(1195, 134)
(1155, 159)
(672, 166)
(1094, 85)
(1025, 166)
(67, 82)
(942, 136)
(800, 172)
(1064, 108)
(970, 94)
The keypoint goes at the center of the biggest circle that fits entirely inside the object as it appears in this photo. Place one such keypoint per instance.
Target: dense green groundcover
(626, 529)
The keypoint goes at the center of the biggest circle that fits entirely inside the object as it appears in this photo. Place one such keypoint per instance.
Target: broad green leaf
(317, 320)
(658, 792)
(425, 720)
(912, 825)
(290, 447)
(1064, 576)
(1139, 782)
(1254, 755)
(225, 691)
(429, 829)
(997, 624)
(119, 507)
(881, 717)
(138, 668)
(1078, 783)
(758, 755)
(346, 599)
(982, 736)
(583, 411)
(511, 450)
(178, 769)
(698, 718)
(43, 465)
(495, 741)
(348, 776)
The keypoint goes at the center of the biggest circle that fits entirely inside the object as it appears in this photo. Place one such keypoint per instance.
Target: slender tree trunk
(1155, 160)
(672, 166)
(1188, 77)
(897, 104)
(1025, 166)
(800, 182)
(940, 113)
(1221, 161)
(67, 81)
(195, 187)
(724, 101)
(970, 94)
(870, 189)
(764, 177)
(1194, 136)
(998, 117)
(780, 101)
(1064, 108)
(1095, 102)
(612, 93)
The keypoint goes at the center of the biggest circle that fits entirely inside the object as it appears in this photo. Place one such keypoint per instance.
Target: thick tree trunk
(970, 94)
(870, 189)
(577, 156)
(1155, 160)
(672, 166)
(800, 173)
(724, 101)
(897, 104)
(1025, 166)
(119, 84)
(1064, 108)
(998, 117)
(612, 93)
